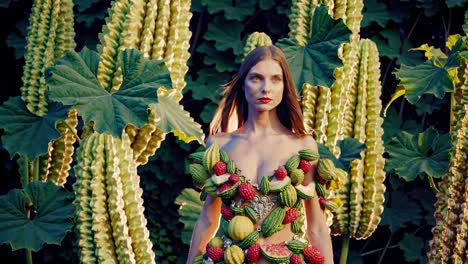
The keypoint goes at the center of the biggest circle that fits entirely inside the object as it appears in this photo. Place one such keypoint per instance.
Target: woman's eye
(254, 78)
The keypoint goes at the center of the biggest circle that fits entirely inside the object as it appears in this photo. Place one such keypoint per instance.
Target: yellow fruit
(240, 227)
(234, 255)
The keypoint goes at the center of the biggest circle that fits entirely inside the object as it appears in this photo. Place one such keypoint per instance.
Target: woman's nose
(266, 87)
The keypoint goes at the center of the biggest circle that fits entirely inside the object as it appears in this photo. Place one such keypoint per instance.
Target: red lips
(264, 100)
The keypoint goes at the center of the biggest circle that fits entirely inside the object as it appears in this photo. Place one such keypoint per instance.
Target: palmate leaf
(412, 155)
(401, 211)
(52, 220)
(412, 247)
(26, 133)
(350, 149)
(454, 3)
(73, 82)
(226, 34)
(237, 11)
(224, 61)
(173, 118)
(427, 78)
(315, 62)
(375, 12)
(189, 210)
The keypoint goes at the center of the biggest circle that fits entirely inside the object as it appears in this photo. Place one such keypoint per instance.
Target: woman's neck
(263, 124)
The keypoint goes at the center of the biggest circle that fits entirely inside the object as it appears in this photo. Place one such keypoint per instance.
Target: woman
(259, 124)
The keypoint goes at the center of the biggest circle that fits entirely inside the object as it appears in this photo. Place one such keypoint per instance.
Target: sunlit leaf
(190, 208)
(316, 62)
(52, 216)
(412, 155)
(73, 82)
(173, 118)
(23, 127)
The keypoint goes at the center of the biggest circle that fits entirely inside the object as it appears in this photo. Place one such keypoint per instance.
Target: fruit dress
(252, 211)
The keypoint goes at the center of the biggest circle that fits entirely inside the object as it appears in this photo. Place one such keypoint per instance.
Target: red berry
(305, 166)
(253, 253)
(234, 178)
(224, 187)
(321, 180)
(219, 168)
(295, 259)
(281, 173)
(312, 254)
(246, 191)
(291, 215)
(227, 213)
(216, 254)
(322, 202)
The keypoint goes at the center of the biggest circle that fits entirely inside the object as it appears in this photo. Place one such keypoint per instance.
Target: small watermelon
(276, 253)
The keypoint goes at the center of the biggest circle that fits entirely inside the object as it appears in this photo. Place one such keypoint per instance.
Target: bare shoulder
(308, 142)
(220, 138)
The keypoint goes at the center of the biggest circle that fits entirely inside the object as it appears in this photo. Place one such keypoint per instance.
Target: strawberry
(216, 254)
(295, 259)
(322, 202)
(291, 215)
(305, 166)
(321, 180)
(253, 253)
(281, 173)
(227, 213)
(234, 178)
(246, 191)
(219, 168)
(312, 254)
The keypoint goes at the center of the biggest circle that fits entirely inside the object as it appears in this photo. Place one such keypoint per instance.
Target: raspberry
(234, 178)
(246, 191)
(227, 213)
(312, 254)
(321, 180)
(216, 254)
(291, 215)
(305, 166)
(253, 253)
(322, 202)
(219, 168)
(295, 259)
(281, 173)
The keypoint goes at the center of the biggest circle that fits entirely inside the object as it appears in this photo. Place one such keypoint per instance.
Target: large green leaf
(173, 118)
(224, 61)
(236, 10)
(50, 220)
(375, 12)
(412, 155)
(390, 45)
(422, 79)
(412, 247)
(400, 212)
(26, 133)
(189, 210)
(431, 7)
(315, 62)
(454, 3)
(207, 85)
(226, 34)
(5, 3)
(350, 149)
(73, 82)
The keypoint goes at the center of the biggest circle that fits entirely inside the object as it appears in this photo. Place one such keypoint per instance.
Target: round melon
(240, 227)
(276, 253)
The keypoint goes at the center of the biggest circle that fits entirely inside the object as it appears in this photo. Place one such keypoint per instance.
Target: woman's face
(263, 85)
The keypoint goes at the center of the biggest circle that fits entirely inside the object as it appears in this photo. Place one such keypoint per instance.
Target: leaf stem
(414, 25)
(385, 249)
(344, 250)
(25, 178)
(376, 250)
(29, 256)
(36, 169)
(432, 184)
(197, 34)
(384, 78)
(402, 107)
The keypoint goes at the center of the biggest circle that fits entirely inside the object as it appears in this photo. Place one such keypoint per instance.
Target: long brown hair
(232, 110)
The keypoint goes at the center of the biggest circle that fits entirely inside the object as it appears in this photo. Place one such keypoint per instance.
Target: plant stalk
(36, 169)
(344, 250)
(29, 256)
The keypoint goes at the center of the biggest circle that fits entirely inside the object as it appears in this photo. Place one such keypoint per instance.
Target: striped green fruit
(250, 212)
(288, 196)
(197, 157)
(296, 246)
(309, 154)
(320, 189)
(249, 240)
(224, 156)
(326, 169)
(231, 166)
(273, 221)
(297, 176)
(292, 163)
(265, 185)
(199, 174)
(211, 157)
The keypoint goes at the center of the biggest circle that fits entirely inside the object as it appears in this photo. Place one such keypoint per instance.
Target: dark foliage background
(218, 34)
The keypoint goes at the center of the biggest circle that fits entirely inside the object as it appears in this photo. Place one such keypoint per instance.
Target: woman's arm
(205, 227)
(317, 230)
